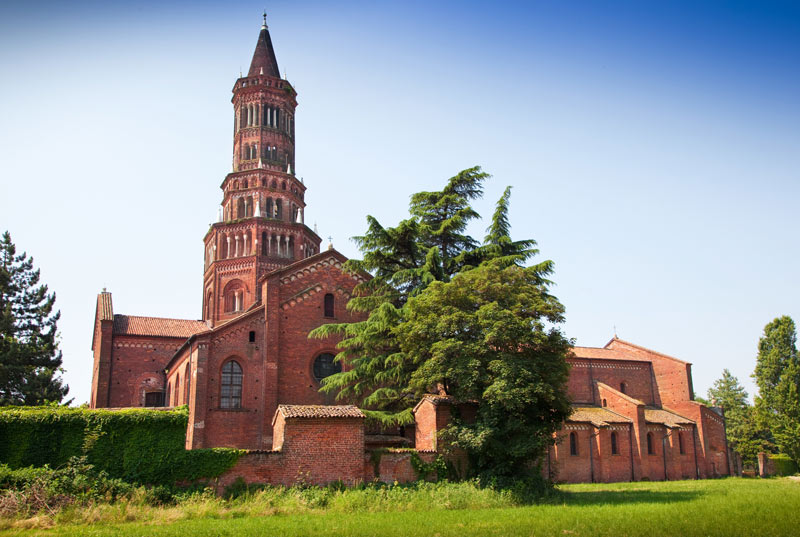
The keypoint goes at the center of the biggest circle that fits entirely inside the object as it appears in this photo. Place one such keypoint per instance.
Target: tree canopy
(445, 312)
(29, 355)
(777, 375)
(744, 435)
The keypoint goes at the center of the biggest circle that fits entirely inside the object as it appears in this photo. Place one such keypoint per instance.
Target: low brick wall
(390, 466)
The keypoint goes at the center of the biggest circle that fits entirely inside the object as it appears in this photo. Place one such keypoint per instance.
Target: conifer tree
(386, 376)
(29, 355)
(744, 435)
(777, 375)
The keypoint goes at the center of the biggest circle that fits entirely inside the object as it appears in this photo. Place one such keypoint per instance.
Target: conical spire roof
(264, 62)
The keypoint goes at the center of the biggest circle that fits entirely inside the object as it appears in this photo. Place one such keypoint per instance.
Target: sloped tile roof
(597, 416)
(134, 325)
(320, 411)
(665, 417)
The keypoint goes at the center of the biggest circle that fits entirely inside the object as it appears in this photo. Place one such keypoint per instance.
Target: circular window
(324, 366)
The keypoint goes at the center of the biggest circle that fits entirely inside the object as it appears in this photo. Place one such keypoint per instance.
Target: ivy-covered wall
(137, 445)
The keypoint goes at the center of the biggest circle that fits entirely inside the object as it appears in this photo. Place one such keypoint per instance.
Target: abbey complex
(250, 375)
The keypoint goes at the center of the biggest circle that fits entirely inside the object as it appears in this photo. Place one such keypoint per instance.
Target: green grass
(728, 507)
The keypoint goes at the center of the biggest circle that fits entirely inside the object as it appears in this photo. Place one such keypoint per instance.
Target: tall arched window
(230, 395)
(248, 206)
(240, 208)
(573, 444)
(168, 395)
(279, 209)
(177, 389)
(264, 250)
(680, 443)
(329, 301)
(614, 449)
(270, 208)
(325, 366)
(650, 448)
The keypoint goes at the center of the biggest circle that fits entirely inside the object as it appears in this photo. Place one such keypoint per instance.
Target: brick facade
(266, 285)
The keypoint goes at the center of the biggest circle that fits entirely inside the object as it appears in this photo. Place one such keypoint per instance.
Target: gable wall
(137, 366)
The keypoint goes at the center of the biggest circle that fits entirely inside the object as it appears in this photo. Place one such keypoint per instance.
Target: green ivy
(784, 465)
(137, 445)
(437, 467)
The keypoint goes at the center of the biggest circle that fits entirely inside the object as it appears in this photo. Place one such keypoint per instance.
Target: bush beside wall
(783, 464)
(137, 445)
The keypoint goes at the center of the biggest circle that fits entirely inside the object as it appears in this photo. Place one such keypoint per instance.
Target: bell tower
(261, 223)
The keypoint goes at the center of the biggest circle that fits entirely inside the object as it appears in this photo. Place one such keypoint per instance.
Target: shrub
(784, 465)
(137, 445)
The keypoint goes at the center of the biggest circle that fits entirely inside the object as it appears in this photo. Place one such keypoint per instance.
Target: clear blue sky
(653, 147)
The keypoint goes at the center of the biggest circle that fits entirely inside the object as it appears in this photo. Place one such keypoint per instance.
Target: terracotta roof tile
(320, 411)
(597, 416)
(133, 325)
(665, 417)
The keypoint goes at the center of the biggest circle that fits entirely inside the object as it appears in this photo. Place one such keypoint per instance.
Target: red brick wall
(136, 366)
(246, 427)
(312, 451)
(393, 466)
(672, 377)
(637, 377)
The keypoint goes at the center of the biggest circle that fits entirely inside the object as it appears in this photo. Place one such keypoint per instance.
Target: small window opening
(623, 387)
(605, 403)
(614, 450)
(329, 301)
(650, 450)
(573, 444)
(680, 443)
(252, 336)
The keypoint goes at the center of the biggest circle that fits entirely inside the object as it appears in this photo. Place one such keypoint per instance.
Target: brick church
(250, 375)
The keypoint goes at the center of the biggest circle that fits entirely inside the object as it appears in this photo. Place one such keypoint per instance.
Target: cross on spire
(264, 25)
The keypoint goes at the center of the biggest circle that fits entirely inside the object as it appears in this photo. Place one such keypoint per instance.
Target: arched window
(244, 183)
(177, 389)
(274, 183)
(248, 206)
(240, 208)
(270, 208)
(614, 449)
(283, 186)
(680, 443)
(264, 250)
(325, 366)
(650, 448)
(573, 444)
(223, 246)
(329, 305)
(623, 387)
(264, 183)
(605, 403)
(278, 209)
(168, 395)
(233, 296)
(230, 394)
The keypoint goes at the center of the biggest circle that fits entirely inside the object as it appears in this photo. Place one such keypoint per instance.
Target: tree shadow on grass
(615, 497)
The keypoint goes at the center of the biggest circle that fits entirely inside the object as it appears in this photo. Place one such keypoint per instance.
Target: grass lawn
(726, 507)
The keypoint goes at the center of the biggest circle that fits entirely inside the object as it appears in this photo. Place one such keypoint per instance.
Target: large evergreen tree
(777, 375)
(387, 372)
(490, 335)
(744, 435)
(29, 355)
